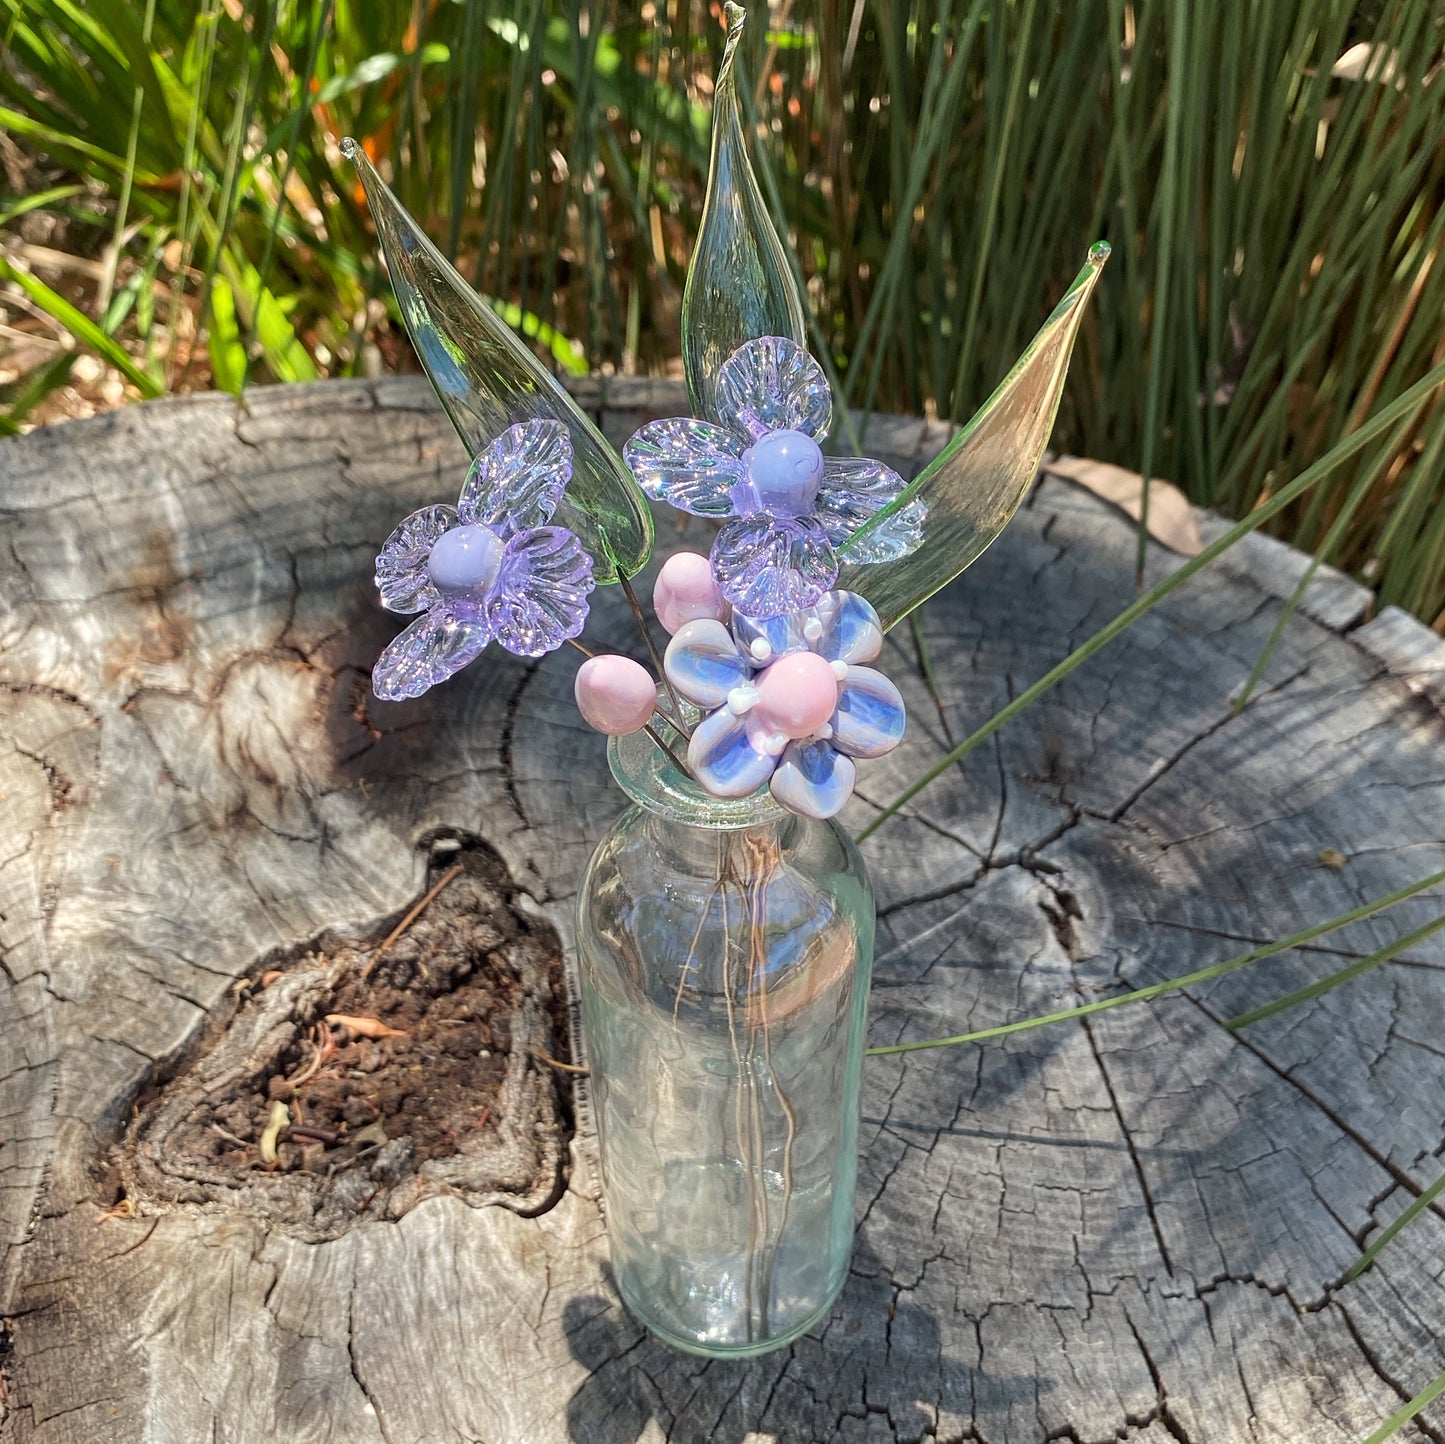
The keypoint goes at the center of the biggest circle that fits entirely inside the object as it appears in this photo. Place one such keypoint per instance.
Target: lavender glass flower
(786, 702)
(486, 568)
(762, 467)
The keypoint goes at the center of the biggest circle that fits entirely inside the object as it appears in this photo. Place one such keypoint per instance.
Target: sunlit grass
(1271, 178)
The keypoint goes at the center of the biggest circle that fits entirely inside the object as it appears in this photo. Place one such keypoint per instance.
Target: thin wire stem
(743, 1135)
(757, 1179)
(642, 626)
(690, 962)
(648, 727)
(768, 860)
(677, 761)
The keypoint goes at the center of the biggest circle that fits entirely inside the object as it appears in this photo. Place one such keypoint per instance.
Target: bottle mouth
(652, 780)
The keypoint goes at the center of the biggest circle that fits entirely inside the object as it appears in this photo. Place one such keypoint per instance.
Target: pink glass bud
(615, 695)
(796, 696)
(686, 592)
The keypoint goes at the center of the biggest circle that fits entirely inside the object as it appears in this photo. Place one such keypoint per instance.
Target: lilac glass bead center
(785, 469)
(465, 560)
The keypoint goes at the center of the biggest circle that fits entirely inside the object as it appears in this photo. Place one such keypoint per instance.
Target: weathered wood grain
(1133, 1228)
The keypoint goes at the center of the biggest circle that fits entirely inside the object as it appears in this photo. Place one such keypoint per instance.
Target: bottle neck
(651, 779)
(743, 854)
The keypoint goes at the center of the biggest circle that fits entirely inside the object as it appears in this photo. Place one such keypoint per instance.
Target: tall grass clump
(1271, 178)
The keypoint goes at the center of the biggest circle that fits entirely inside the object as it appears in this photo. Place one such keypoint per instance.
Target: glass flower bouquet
(725, 922)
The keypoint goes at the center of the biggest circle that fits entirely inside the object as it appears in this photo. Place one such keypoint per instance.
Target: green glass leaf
(739, 282)
(976, 483)
(488, 380)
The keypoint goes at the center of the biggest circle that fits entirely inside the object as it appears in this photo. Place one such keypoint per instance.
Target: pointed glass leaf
(488, 381)
(739, 282)
(976, 483)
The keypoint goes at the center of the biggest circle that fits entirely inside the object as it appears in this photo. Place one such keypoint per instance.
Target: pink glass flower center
(785, 469)
(465, 560)
(796, 695)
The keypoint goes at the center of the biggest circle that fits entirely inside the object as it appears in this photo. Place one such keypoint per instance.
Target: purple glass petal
(692, 465)
(813, 779)
(854, 488)
(766, 566)
(722, 758)
(431, 649)
(772, 384)
(704, 664)
(871, 717)
(401, 574)
(539, 599)
(518, 480)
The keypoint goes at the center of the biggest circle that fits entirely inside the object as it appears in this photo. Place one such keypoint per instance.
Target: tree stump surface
(1131, 1227)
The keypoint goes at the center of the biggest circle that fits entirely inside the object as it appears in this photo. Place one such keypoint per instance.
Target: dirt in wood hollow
(404, 1071)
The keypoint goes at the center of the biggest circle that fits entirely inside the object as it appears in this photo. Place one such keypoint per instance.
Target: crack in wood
(991, 1195)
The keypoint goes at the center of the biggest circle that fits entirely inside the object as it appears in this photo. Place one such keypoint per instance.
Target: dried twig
(363, 1027)
(409, 919)
(557, 1062)
(325, 1046)
(305, 1132)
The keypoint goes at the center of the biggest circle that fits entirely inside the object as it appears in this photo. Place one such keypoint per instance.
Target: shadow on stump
(878, 1354)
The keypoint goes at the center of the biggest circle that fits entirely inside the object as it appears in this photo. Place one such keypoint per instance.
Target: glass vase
(726, 948)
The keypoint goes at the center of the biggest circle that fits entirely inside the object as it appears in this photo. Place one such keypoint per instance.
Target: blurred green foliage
(1271, 177)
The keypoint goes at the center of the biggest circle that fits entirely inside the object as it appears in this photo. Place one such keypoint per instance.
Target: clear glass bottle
(726, 949)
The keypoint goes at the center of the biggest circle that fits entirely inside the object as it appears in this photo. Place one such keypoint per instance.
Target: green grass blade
(1417, 1206)
(1389, 416)
(223, 336)
(306, 76)
(1176, 100)
(122, 209)
(37, 201)
(1173, 985)
(39, 382)
(1335, 979)
(57, 143)
(81, 327)
(1406, 1412)
(1324, 553)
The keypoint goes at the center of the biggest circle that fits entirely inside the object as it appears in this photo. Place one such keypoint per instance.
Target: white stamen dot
(761, 649)
(774, 743)
(742, 699)
(825, 732)
(813, 629)
(840, 670)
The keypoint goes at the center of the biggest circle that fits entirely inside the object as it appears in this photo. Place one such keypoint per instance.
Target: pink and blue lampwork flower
(486, 568)
(786, 702)
(788, 506)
